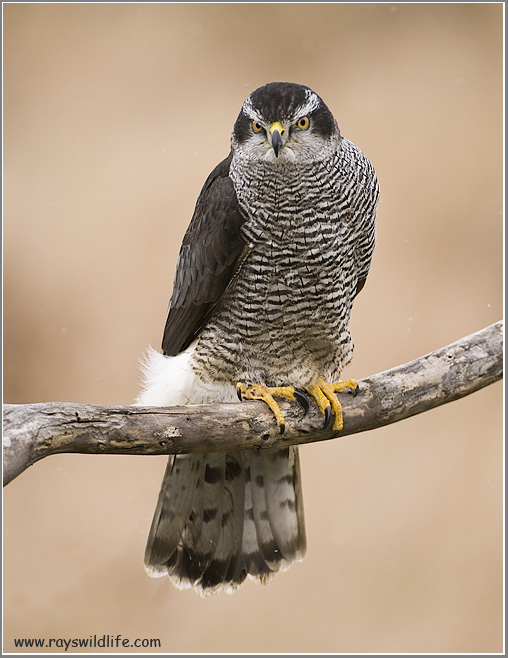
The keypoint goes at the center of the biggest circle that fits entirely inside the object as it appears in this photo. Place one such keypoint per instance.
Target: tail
(222, 517)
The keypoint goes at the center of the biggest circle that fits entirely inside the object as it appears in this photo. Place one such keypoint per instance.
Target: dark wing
(211, 252)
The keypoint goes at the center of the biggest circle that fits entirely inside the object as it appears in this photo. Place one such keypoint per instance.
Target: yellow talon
(267, 393)
(322, 401)
(340, 387)
(324, 394)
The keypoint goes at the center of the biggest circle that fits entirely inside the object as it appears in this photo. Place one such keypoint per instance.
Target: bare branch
(34, 431)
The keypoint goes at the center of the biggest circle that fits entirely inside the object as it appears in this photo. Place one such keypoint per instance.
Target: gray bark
(34, 431)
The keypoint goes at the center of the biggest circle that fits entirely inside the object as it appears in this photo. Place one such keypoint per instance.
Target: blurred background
(114, 114)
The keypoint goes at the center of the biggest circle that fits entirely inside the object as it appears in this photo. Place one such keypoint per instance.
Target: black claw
(282, 428)
(356, 390)
(239, 393)
(328, 414)
(302, 399)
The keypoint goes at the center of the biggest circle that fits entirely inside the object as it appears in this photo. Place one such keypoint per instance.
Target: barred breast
(310, 229)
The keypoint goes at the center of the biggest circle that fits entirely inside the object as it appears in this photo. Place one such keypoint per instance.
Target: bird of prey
(278, 247)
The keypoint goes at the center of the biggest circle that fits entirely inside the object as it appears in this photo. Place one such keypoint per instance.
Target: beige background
(114, 116)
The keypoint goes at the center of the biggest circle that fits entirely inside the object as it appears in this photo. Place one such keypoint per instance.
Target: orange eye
(303, 123)
(257, 127)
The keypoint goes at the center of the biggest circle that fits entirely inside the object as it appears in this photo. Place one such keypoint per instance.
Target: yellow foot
(328, 402)
(267, 394)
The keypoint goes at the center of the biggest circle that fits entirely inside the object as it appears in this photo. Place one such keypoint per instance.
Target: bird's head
(284, 122)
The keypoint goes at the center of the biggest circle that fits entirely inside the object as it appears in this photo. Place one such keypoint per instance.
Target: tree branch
(34, 431)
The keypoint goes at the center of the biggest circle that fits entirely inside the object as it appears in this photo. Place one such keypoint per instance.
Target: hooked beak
(276, 131)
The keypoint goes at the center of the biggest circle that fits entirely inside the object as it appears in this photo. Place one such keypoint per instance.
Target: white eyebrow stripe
(311, 103)
(249, 111)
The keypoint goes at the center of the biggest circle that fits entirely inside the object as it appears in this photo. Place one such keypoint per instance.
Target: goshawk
(279, 245)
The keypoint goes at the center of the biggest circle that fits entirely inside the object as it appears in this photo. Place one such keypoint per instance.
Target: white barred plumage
(279, 245)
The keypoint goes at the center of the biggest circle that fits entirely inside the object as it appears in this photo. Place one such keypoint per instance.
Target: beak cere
(276, 131)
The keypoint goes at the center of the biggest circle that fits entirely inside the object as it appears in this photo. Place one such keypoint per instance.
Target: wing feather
(211, 253)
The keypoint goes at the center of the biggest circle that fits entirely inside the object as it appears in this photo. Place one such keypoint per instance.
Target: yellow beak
(276, 126)
(276, 131)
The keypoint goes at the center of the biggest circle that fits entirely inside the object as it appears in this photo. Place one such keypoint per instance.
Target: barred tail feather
(225, 570)
(222, 517)
(173, 509)
(284, 500)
